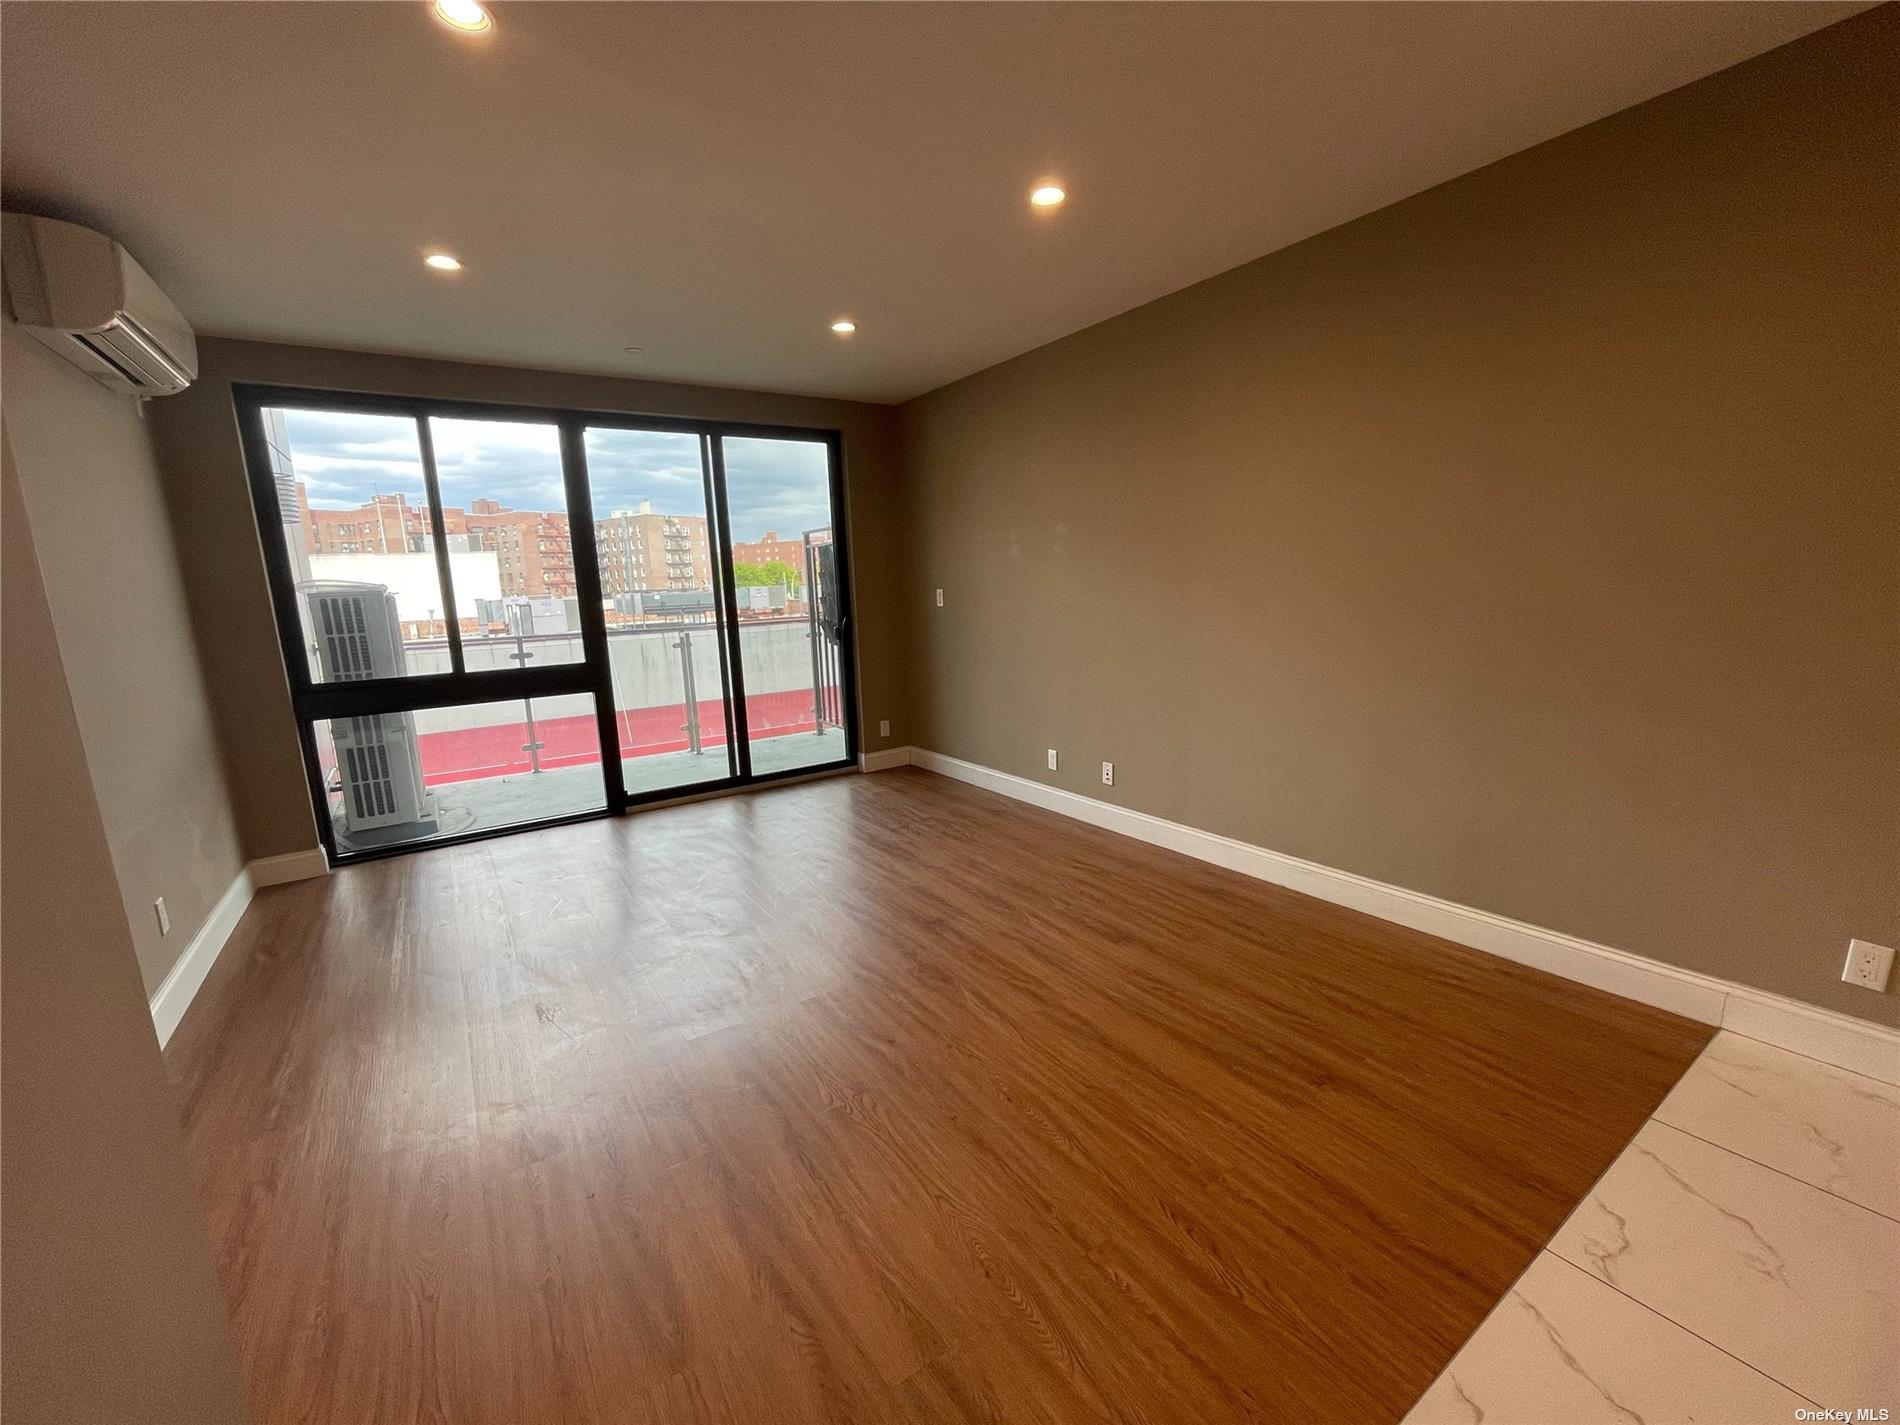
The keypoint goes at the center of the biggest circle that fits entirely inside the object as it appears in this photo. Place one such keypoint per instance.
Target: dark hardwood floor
(874, 1099)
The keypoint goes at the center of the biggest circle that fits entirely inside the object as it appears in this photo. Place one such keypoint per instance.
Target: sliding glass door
(496, 617)
(788, 613)
(660, 569)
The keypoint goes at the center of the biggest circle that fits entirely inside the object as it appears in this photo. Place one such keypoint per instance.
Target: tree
(775, 572)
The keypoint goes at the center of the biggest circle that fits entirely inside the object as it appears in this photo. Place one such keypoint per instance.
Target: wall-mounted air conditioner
(83, 295)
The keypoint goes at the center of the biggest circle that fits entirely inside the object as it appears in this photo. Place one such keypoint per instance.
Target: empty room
(852, 714)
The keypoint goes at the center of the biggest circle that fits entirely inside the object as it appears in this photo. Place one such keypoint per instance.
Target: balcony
(490, 765)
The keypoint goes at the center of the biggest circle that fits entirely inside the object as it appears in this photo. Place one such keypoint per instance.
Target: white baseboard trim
(885, 760)
(181, 986)
(187, 974)
(1837, 1039)
(293, 866)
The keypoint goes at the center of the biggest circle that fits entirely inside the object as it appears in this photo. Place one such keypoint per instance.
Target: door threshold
(778, 779)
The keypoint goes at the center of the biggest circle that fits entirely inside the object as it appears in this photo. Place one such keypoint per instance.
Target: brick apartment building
(638, 548)
(643, 550)
(534, 550)
(388, 524)
(771, 550)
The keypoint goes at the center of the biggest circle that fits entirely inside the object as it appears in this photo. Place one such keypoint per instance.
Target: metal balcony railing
(523, 648)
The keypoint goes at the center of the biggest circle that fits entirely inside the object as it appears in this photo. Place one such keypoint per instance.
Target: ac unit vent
(101, 352)
(366, 773)
(346, 652)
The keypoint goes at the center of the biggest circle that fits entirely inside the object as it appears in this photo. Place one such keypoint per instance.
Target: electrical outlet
(1052, 759)
(884, 728)
(165, 917)
(1868, 964)
(1108, 774)
(940, 598)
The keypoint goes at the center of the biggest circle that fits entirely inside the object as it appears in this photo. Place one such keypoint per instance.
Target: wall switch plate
(884, 728)
(940, 598)
(165, 917)
(1052, 759)
(1868, 964)
(1108, 774)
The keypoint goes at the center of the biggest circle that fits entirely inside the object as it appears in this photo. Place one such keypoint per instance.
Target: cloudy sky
(343, 459)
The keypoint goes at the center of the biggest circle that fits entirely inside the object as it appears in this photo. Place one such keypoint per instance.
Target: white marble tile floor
(1739, 1264)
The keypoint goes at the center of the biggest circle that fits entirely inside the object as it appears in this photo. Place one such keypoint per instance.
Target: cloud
(517, 463)
(779, 485)
(625, 467)
(345, 458)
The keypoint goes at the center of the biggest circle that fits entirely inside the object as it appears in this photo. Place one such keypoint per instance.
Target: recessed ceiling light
(464, 15)
(844, 326)
(633, 350)
(1048, 196)
(442, 262)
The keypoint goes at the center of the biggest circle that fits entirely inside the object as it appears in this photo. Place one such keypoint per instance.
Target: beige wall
(1533, 543)
(224, 571)
(112, 1311)
(91, 483)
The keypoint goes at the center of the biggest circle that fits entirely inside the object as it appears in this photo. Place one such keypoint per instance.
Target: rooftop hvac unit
(380, 768)
(83, 295)
(379, 762)
(356, 629)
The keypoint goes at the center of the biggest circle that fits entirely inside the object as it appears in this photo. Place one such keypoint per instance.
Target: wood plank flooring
(875, 1099)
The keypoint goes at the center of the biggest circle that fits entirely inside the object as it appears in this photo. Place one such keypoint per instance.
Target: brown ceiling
(715, 183)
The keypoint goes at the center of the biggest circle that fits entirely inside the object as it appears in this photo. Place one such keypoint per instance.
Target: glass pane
(354, 517)
(785, 565)
(511, 556)
(657, 565)
(400, 778)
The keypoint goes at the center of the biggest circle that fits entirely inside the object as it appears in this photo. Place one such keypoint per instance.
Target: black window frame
(313, 701)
